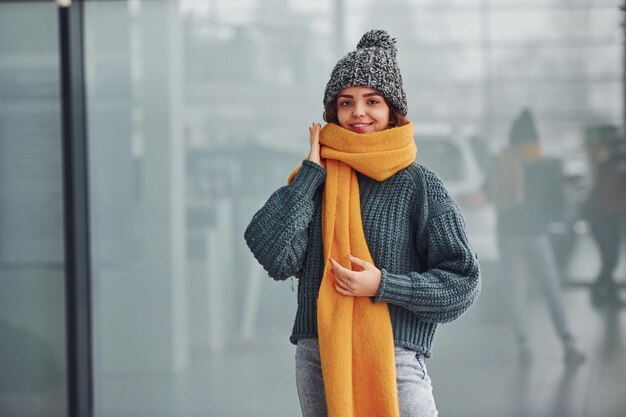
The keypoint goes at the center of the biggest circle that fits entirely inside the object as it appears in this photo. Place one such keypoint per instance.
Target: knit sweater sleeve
(450, 282)
(278, 232)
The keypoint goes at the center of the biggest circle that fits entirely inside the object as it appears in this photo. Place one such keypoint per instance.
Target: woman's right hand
(314, 138)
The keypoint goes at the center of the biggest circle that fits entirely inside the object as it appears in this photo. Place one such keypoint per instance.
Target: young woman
(377, 244)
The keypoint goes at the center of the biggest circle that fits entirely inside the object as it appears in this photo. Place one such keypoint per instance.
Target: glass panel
(32, 275)
(184, 321)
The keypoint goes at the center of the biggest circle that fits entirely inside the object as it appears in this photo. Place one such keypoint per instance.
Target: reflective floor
(493, 382)
(475, 369)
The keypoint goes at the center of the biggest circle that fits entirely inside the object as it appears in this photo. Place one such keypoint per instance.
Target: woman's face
(362, 110)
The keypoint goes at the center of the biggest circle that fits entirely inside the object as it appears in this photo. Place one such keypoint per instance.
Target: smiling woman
(368, 304)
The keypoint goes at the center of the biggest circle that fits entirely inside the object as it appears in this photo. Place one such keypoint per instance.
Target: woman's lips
(359, 127)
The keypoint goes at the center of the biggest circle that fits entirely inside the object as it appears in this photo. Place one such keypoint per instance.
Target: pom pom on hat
(373, 64)
(378, 39)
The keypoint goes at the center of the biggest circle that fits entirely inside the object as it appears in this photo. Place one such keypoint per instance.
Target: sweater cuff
(394, 288)
(309, 178)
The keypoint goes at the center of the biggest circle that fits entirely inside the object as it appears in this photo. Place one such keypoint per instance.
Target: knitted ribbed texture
(415, 234)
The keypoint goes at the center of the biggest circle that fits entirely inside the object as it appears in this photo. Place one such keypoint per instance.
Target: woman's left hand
(364, 283)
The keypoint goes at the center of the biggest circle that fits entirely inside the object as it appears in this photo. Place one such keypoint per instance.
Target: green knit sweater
(415, 234)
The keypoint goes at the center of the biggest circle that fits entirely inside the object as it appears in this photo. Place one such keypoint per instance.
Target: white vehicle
(461, 162)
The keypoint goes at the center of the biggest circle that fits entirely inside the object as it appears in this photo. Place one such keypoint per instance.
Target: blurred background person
(526, 191)
(604, 210)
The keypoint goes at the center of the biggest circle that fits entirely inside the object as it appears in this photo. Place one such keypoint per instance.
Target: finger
(316, 133)
(340, 276)
(342, 291)
(341, 283)
(359, 262)
(342, 270)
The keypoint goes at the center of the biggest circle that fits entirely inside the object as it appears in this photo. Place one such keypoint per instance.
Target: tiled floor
(475, 368)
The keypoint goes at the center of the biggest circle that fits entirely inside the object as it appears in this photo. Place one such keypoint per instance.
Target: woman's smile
(360, 127)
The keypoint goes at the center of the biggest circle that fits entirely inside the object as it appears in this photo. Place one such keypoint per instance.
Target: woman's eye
(373, 101)
(344, 103)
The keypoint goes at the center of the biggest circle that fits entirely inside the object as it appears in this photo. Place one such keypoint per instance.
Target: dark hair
(396, 119)
(523, 129)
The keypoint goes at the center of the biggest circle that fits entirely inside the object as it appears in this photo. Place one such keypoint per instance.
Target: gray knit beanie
(373, 64)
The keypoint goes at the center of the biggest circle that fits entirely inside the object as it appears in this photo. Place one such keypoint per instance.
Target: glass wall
(32, 275)
(198, 110)
(183, 318)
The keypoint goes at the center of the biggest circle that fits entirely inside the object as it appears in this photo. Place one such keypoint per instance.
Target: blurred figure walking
(526, 190)
(605, 210)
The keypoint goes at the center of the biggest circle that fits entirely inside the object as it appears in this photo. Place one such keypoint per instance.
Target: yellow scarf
(355, 335)
(508, 181)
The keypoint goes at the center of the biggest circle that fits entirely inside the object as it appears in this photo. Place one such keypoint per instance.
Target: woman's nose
(358, 110)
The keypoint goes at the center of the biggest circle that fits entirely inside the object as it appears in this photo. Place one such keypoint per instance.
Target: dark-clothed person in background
(605, 211)
(525, 188)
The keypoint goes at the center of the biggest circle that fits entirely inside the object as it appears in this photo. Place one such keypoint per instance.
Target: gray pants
(415, 392)
(533, 254)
